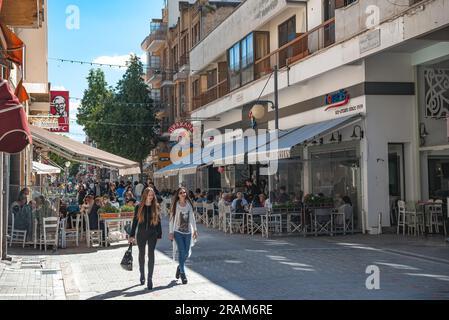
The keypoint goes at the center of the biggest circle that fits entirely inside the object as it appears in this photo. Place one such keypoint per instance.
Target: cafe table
(115, 222)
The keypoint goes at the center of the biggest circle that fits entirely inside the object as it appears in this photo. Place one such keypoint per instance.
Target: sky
(109, 31)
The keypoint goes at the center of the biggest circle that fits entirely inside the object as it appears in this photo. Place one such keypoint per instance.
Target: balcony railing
(183, 61)
(219, 90)
(304, 45)
(158, 32)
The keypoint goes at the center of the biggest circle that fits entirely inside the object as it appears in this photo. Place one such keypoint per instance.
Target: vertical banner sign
(60, 107)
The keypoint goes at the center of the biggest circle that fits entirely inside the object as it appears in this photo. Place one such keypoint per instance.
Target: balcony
(157, 37)
(23, 13)
(153, 74)
(182, 68)
(216, 92)
(302, 46)
(167, 78)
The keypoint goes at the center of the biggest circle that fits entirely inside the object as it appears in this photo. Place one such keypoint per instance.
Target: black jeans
(143, 238)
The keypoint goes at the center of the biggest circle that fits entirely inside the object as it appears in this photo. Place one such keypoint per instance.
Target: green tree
(93, 107)
(120, 121)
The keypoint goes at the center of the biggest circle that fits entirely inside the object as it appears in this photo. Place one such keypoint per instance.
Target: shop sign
(45, 122)
(337, 99)
(369, 41)
(59, 107)
(181, 125)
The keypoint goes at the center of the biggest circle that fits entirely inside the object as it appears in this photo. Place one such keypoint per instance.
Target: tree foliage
(121, 120)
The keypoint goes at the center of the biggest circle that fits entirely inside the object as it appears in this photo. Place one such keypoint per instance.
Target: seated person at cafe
(283, 196)
(259, 201)
(201, 198)
(239, 204)
(197, 195)
(23, 217)
(131, 202)
(345, 208)
(271, 200)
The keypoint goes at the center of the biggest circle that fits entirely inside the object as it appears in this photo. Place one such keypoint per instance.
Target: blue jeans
(183, 243)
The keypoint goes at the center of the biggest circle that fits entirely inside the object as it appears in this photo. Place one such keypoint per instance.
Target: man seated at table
(283, 197)
(23, 217)
(239, 205)
(131, 202)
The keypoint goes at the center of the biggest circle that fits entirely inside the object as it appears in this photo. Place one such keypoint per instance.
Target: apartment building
(362, 105)
(182, 26)
(23, 60)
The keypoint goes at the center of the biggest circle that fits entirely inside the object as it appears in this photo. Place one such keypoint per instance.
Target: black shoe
(150, 284)
(142, 280)
(178, 272)
(183, 278)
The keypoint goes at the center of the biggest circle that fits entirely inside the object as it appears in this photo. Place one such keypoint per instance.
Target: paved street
(227, 266)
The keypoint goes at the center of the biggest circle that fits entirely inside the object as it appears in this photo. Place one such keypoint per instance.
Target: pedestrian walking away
(147, 221)
(183, 231)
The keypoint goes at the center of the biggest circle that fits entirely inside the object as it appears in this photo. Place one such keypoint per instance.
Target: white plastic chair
(50, 232)
(209, 221)
(16, 236)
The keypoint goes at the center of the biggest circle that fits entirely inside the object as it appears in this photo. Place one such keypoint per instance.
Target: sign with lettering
(337, 99)
(45, 122)
(369, 41)
(181, 125)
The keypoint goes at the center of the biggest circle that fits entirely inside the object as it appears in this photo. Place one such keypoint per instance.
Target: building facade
(182, 26)
(362, 100)
(28, 75)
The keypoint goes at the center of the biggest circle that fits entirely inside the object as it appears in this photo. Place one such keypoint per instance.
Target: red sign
(181, 125)
(59, 106)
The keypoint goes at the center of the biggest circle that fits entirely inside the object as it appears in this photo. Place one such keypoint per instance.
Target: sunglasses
(183, 192)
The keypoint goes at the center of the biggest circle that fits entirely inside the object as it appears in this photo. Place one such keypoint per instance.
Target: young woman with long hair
(147, 221)
(182, 230)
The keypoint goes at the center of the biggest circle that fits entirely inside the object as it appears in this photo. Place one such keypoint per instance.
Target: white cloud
(118, 60)
(74, 107)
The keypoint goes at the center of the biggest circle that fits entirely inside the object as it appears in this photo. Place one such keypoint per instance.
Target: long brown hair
(155, 219)
(176, 200)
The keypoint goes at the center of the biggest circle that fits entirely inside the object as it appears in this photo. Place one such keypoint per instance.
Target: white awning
(40, 168)
(79, 152)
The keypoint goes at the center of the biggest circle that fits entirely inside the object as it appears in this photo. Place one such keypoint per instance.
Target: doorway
(396, 179)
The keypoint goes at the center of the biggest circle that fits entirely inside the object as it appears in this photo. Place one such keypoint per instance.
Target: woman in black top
(147, 221)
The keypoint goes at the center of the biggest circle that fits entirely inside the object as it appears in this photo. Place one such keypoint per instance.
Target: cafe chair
(435, 216)
(254, 221)
(15, 235)
(199, 212)
(93, 237)
(71, 234)
(343, 219)
(401, 216)
(323, 223)
(221, 217)
(235, 222)
(271, 223)
(210, 220)
(50, 232)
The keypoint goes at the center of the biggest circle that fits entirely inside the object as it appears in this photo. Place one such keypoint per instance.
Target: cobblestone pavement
(237, 266)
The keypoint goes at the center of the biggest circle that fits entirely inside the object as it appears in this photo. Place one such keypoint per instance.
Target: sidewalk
(237, 266)
(31, 278)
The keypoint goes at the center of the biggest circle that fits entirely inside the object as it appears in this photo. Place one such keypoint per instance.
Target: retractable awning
(40, 168)
(79, 152)
(296, 136)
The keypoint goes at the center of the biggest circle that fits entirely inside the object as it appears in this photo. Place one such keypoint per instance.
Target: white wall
(390, 119)
(314, 13)
(250, 16)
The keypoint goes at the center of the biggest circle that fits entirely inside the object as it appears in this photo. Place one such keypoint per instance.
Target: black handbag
(127, 261)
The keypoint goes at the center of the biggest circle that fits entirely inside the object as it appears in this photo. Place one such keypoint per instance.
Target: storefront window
(336, 174)
(439, 178)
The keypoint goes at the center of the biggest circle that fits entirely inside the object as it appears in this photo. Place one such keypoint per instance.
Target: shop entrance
(396, 179)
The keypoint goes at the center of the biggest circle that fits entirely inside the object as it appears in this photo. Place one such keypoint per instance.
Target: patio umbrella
(14, 130)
